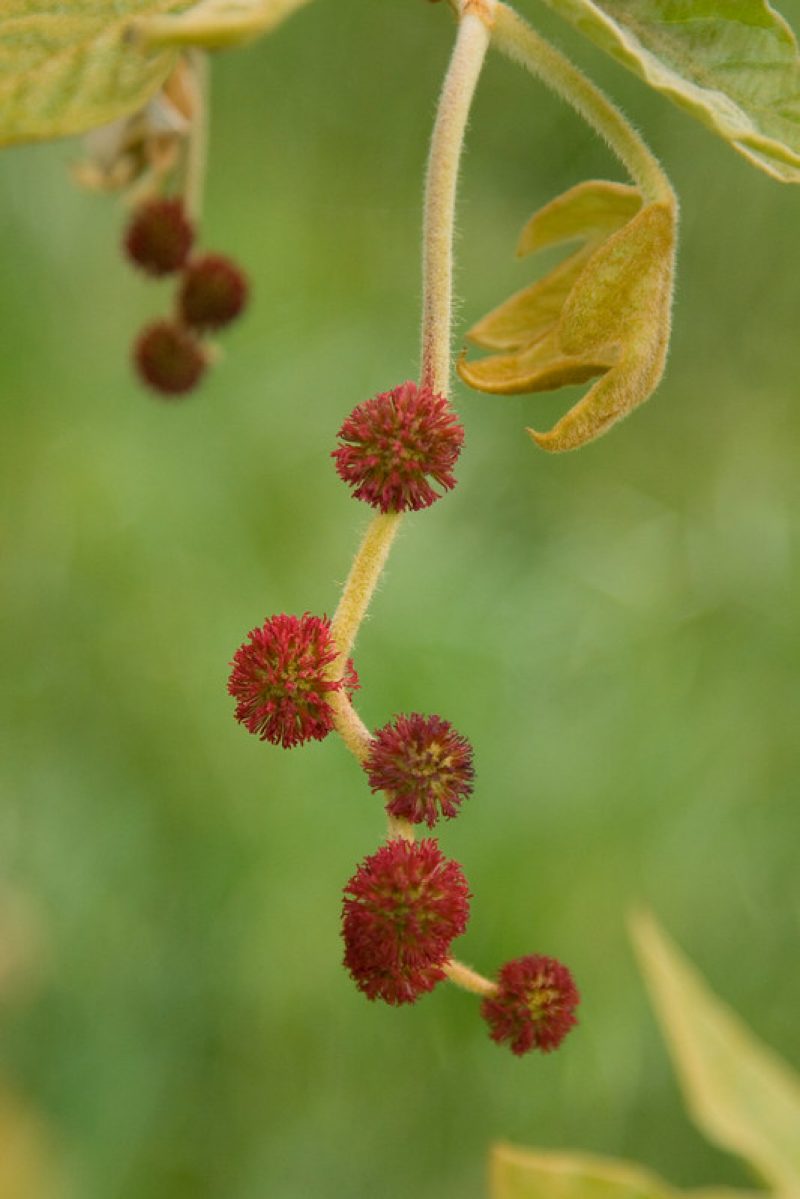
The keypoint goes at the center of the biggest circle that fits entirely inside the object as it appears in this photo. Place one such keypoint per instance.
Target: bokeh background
(616, 630)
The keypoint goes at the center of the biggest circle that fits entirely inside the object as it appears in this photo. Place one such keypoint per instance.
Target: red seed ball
(533, 1006)
(168, 358)
(159, 237)
(213, 292)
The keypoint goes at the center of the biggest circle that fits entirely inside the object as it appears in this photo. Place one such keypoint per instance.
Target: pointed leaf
(586, 213)
(603, 311)
(68, 68)
(542, 366)
(733, 64)
(528, 1174)
(530, 313)
(742, 1095)
(589, 211)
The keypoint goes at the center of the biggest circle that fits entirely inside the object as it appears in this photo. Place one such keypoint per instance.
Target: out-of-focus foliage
(67, 68)
(615, 630)
(528, 1174)
(740, 1094)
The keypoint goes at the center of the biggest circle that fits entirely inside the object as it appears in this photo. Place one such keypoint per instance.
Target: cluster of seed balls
(169, 354)
(407, 902)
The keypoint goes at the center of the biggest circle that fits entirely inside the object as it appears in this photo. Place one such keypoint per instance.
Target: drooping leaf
(214, 24)
(733, 64)
(528, 1174)
(65, 68)
(586, 213)
(604, 311)
(741, 1094)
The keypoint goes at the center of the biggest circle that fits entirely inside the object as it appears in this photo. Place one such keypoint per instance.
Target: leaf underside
(740, 1094)
(733, 64)
(66, 68)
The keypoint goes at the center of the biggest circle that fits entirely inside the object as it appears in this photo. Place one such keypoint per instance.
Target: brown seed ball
(213, 292)
(159, 237)
(168, 358)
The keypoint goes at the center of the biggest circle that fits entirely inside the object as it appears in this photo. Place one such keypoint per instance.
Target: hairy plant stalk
(468, 979)
(441, 181)
(514, 37)
(361, 582)
(472, 42)
(197, 150)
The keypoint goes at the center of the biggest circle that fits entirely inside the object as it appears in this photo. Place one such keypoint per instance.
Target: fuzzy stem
(357, 592)
(516, 39)
(364, 574)
(349, 725)
(447, 140)
(469, 980)
(197, 151)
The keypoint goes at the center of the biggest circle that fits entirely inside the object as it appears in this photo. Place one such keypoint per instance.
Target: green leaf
(742, 1096)
(604, 311)
(528, 1174)
(65, 68)
(733, 64)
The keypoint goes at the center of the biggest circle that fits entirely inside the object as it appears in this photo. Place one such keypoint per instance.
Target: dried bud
(168, 358)
(402, 909)
(423, 765)
(534, 1007)
(394, 443)
(280, 680)
(159, 237)
(213, 292)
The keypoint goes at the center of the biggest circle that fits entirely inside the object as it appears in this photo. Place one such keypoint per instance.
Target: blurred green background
(616, 630)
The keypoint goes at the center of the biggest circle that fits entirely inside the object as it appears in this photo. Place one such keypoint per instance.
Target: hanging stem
(515, 38)
(472, 42)
(447, 141)
(197, 151)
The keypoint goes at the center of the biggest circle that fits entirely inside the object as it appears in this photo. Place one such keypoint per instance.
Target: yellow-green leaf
(733, 64)
(586, 213)
(214, 24)
(65, 68)
(528, 1174)
(604, 311)
(741, 1094)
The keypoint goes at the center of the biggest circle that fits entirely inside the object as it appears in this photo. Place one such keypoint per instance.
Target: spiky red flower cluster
(159, 237)
(168, 358)
(423, 765)
(394, 444)
(213, 291)
(534, 1007)
(280, 680)
(403, 907)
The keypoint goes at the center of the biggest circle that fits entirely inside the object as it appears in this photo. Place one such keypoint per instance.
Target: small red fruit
(168, 358)
(423, 765)
(534, 1007)
(402, 909)
(159, 237)
(394, 443)
(280, 680)
(213, 292)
